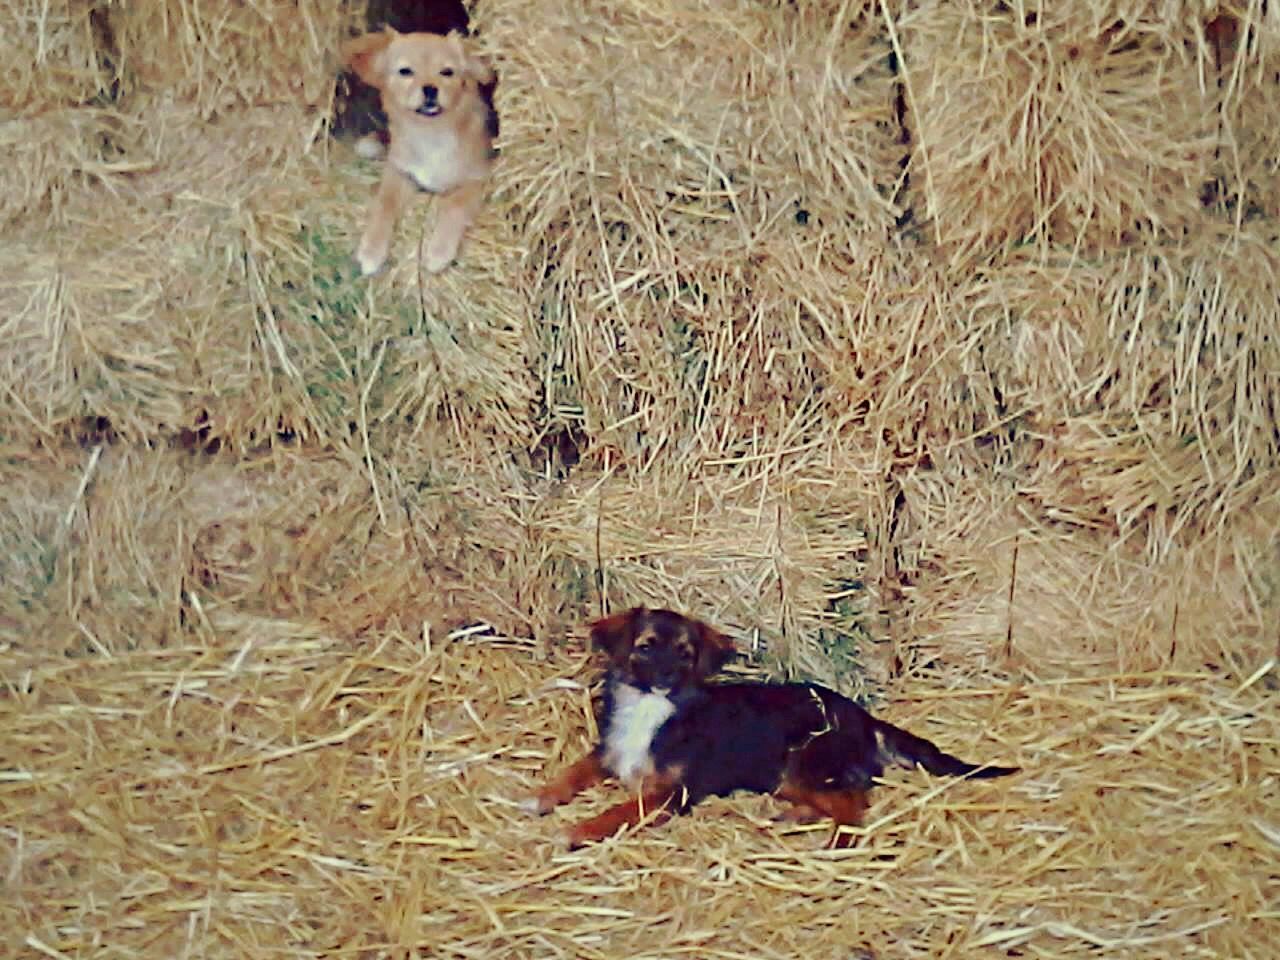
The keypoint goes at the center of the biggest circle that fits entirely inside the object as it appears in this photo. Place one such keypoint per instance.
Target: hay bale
(220, 58)
(84, 339)
(1250, 162)
(1144, 383)
(697, 292)
(783, 571)
(39, 494)
(112, 547)
(653, 172)
(49, 154)
(215, 291)
(53, 55)
(296, 565)
(1076, 124)
(993, 583)
(1241, 63)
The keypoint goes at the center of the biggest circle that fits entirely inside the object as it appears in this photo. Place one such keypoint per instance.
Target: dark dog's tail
(896, 746)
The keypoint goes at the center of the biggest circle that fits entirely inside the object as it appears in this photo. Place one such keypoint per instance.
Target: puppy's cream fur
(441, 136)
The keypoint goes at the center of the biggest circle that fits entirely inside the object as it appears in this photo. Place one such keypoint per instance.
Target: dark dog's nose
(665, 679)
(430, 93)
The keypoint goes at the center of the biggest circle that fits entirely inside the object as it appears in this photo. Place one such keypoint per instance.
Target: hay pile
(929, 348)
(295, 795)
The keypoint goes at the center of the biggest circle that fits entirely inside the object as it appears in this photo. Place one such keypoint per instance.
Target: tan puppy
(441, 136)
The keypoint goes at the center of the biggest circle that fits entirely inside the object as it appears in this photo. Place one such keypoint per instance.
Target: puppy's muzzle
(430, 100)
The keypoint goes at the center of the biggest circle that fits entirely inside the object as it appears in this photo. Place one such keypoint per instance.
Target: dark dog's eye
(447, 72)
(405, 71)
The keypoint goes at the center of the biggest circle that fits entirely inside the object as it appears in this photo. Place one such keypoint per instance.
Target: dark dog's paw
(536, 805)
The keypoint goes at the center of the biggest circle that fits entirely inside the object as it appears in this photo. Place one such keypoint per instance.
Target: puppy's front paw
(440, 252)
(370, 261)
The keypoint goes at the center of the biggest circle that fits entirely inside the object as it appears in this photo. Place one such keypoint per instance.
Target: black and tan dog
(674, 740)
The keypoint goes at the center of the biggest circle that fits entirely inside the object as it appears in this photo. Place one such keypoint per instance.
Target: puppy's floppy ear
(475, 67)
(365, 56)
(714, 649)
(478, 69)
(614, 634)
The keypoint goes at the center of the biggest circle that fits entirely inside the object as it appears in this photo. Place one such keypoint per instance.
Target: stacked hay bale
(837, 268)
(857, 273)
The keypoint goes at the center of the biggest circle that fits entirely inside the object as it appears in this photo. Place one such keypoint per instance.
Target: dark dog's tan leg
(802, 809)
(798, 813)
(394, 194)
(587, 772)
(458, 208)
(653, 805)
(846, 807)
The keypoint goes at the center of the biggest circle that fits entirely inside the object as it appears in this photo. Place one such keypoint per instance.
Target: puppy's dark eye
(447, 72)
(405, 71)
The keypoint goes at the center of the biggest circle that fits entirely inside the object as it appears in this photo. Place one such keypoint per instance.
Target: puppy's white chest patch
(634, 722)
(431, 162)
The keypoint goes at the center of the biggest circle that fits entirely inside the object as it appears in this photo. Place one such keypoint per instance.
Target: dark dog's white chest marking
(633, 723)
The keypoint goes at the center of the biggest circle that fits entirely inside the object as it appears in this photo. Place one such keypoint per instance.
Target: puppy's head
(660, 649)
(420, 74)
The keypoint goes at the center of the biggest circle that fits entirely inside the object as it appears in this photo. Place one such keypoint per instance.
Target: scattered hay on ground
(300, 793)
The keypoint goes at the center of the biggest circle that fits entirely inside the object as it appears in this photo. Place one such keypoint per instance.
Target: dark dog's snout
(430, 93)
(665, 673)
(665, 678)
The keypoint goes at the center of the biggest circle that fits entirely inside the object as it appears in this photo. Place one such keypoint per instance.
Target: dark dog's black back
(749, 736)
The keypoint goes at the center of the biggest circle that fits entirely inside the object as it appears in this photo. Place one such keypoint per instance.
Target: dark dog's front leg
(587, 772)
(653, 805)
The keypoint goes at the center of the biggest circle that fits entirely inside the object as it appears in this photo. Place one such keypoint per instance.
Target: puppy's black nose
(430, 93)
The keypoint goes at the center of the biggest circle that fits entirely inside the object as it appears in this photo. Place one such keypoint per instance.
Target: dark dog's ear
(365, 56)
(714, 650)
(477, 68)
(614, 634)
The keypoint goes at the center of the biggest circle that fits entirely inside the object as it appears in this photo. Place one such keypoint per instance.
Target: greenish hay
(283, 309)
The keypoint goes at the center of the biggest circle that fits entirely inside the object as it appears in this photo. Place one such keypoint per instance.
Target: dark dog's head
(419, 74)
(660, 649)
